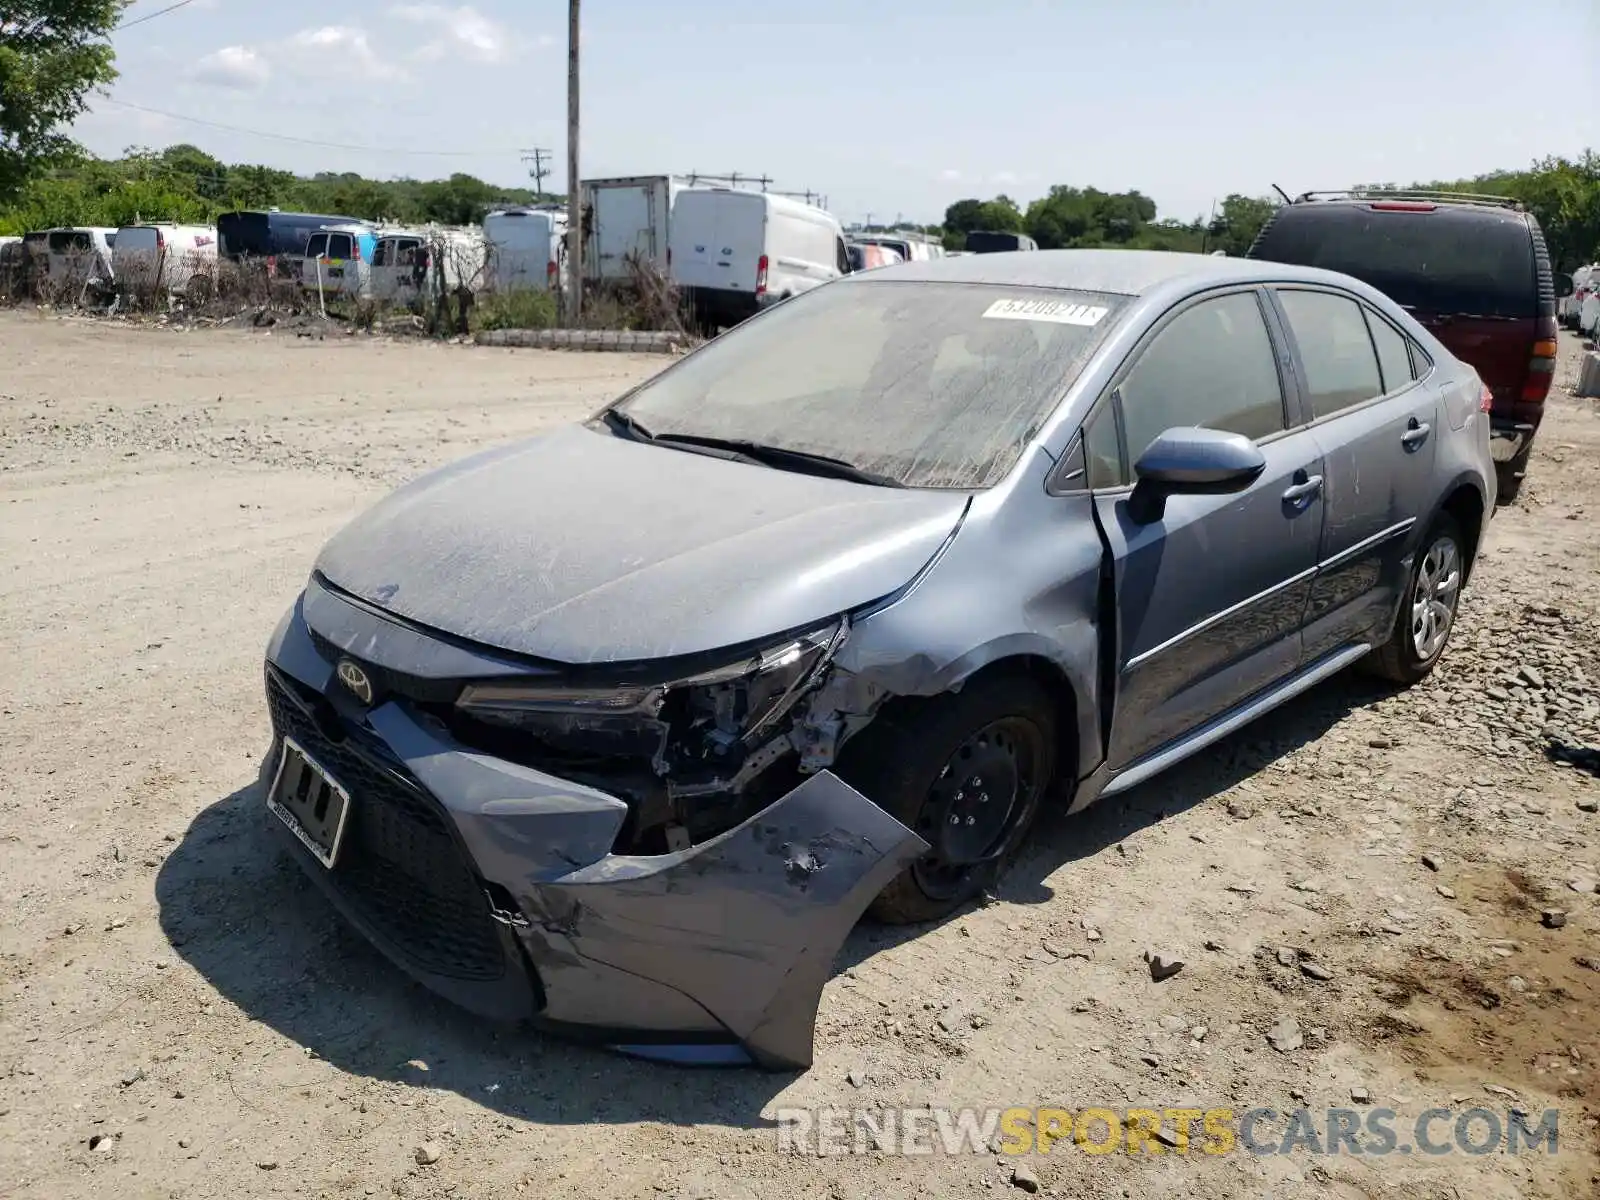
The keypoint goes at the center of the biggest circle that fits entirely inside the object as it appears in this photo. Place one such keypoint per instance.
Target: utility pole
(539, 158)
(574, 192)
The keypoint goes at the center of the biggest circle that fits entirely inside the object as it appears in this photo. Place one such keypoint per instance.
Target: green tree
(1000, 215)
(1238, 220)
(53, 53)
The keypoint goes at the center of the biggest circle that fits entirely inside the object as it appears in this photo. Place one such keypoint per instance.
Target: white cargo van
(734, 251)
(627, 217)
(407, 264)
(338, 260)
(525, 249)
(77, 258)
(171, 260)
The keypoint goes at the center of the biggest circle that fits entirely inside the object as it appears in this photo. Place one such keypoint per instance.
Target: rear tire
(967, 771)
(1510, 474)
(1428, 609)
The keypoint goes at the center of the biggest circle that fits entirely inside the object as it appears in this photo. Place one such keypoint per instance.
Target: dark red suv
(1473, 269)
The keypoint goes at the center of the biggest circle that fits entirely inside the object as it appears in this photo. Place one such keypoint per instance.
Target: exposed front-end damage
(692, 755)
(668, 866)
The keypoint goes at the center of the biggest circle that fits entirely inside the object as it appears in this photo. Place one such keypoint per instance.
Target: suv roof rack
(1412, 194)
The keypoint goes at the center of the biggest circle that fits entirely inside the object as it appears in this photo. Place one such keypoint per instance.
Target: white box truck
(630, 215)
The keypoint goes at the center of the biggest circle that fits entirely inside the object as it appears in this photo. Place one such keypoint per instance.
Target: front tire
(967, 771)
(1428, 609)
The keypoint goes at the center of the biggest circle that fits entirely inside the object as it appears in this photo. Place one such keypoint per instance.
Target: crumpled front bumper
(716, 953)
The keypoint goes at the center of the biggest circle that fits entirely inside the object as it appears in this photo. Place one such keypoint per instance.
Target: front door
(1210, 596)
(1379, 430)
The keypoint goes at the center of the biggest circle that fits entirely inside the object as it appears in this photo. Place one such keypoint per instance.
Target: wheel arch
(1465, 502)
(1048, 673)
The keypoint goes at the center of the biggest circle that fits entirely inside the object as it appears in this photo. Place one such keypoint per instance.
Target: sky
(889, 110)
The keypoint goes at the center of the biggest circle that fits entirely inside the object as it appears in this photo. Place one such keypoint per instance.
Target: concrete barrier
(634, 341)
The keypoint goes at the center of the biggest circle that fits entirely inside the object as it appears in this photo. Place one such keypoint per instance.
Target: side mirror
(1192, 461)
(1563, 286)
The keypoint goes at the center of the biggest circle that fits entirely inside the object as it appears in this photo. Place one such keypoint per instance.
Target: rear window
(245, 233)
(1449, 261)
(395, 251)
(990, 243)
(69, 243)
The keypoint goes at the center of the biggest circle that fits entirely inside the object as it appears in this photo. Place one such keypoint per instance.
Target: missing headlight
(704, 722)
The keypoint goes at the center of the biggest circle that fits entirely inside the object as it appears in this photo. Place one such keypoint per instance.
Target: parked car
(736, 251)
(1474, 270)
(629, 217)
(911, 247)
(982, 241)
(866, 256)
(412, 265)
(172, 260)
(823, 614)
(338, 260)
(526, 248)
(1585, 282)
(277, 239)
(1589, 314)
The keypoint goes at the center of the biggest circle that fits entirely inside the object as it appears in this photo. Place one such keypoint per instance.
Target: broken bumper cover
(494, 885)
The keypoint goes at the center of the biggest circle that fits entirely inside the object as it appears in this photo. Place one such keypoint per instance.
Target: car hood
(581, 547)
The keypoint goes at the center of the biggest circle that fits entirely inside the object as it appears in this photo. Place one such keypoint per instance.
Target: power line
(285, 137)
(160, 12)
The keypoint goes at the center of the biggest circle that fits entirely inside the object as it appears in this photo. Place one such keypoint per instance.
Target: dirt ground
(180, 1016)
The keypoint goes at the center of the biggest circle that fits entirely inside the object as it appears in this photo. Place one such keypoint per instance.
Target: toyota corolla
(623, 727)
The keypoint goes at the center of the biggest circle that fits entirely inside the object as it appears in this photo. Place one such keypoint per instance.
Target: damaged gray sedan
(622, 728)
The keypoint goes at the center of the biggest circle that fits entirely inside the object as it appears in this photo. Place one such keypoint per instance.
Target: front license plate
(311, 802)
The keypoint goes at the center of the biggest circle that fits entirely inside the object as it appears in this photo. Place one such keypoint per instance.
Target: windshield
(935, 385)
(1445, 261)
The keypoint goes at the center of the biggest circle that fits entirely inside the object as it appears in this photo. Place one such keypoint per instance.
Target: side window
(1394, 358)
(1336, 349)
(1421, 364)
(1213, 366)
(1102, 453)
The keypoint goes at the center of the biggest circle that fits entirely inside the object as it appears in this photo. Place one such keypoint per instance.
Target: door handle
(1416, 433)
(1303, 491)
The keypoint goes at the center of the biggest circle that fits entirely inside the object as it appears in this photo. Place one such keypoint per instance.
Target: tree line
(183, 183)
(1564, 194)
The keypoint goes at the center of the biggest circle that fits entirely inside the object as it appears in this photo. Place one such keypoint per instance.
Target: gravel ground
(1356, 885)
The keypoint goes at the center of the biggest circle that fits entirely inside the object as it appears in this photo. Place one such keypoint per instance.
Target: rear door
(719, 239)
(623, 224)
(1210, 597)
(1378, 429)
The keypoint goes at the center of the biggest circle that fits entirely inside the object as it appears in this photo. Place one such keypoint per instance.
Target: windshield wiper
(783, 458)
(626, 425)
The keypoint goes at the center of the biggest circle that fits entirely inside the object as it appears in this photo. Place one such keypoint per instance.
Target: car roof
(1118, 272)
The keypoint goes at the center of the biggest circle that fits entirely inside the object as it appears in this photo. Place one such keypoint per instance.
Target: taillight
(161, 241)
(1541, 369)
(355, 250)
(1485, 399)
(761, 275)
(550, 272)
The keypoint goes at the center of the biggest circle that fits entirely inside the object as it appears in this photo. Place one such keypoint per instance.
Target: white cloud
(950, 175)
(348, 44)
(236, 67)
(464, 31)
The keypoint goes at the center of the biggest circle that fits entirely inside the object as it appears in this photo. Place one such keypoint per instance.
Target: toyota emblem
(354, 678)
